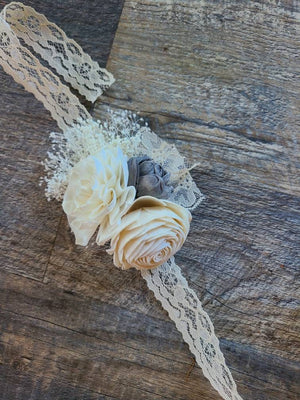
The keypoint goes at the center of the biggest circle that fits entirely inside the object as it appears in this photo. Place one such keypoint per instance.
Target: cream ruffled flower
(98, 195)
(150, 233)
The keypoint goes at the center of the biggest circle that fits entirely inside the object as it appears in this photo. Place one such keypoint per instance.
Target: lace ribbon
(62, 53)
(185, 309)
(77, 68)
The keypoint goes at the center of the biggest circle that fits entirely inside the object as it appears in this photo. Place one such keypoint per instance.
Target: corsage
(119, 183)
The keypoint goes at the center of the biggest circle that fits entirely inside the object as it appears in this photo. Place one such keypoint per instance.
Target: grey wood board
(220, 80)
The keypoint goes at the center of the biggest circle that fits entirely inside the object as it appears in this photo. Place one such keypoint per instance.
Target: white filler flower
(97, 195)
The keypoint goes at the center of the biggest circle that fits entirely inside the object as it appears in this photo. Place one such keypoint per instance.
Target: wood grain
(221, 80)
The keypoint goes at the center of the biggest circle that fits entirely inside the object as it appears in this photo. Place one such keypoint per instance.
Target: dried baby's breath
(122, 129)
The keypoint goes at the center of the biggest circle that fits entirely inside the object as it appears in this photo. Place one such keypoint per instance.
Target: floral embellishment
(149, 234)
(97, 195)
(149, 178)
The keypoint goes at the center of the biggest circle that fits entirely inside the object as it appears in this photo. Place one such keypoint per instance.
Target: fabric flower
(148, 177)
(97, 195)
(150, 233)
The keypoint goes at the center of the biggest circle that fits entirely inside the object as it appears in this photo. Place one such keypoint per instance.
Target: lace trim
(185, 309)
(26, 69)
(62, 53)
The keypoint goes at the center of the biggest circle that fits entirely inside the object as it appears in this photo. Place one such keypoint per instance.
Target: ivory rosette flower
(97, 195)
(150, 233)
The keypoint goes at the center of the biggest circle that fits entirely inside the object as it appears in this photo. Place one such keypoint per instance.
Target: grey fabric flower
(148, 178)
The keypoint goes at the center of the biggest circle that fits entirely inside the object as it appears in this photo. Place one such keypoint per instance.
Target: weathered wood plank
(221, 80)
(92, 344)
(28, 221)
(230, 69)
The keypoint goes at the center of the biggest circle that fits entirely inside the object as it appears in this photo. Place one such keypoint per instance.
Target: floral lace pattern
(62, 53)
(19, 20)
(185, 309)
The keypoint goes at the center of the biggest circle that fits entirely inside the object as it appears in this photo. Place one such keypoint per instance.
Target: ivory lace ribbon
(63, 54)
(18, 21)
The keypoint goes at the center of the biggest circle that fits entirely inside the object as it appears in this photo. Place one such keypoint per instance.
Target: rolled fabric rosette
(149, 234)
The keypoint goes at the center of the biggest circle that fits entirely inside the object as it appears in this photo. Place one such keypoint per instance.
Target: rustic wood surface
(222, 80)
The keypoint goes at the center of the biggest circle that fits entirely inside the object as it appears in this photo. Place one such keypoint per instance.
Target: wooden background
(221, 79)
